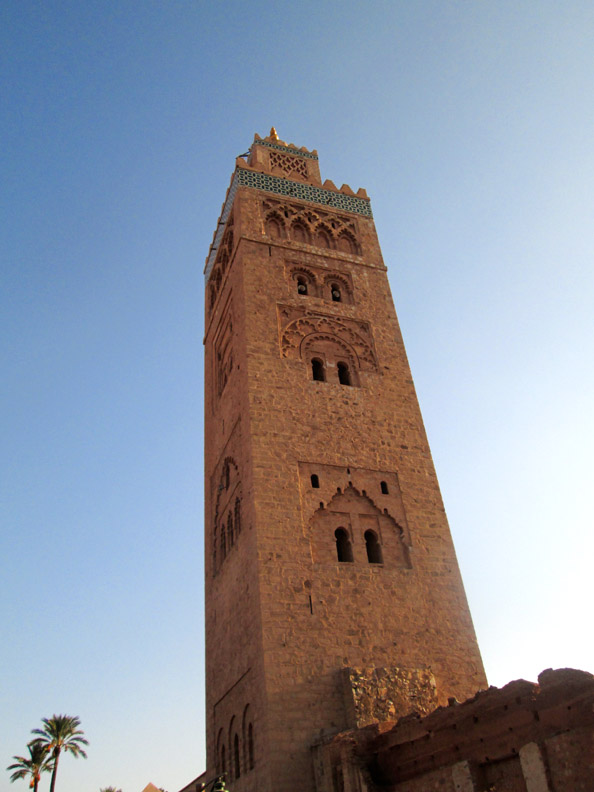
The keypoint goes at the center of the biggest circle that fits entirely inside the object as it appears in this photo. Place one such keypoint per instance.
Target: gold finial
(274, 134)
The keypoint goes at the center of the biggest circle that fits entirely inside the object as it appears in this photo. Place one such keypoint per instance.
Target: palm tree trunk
(55, 770)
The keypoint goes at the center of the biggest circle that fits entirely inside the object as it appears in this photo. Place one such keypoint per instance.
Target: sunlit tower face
(327, 546)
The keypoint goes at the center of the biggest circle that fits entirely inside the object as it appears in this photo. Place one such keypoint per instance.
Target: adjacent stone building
(334, 601)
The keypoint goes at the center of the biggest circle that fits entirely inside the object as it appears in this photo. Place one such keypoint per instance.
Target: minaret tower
(333, 594)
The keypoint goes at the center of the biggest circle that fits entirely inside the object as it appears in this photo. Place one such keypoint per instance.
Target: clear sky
(470, 123)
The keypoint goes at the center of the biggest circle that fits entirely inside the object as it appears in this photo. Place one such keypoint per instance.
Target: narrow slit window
(301, 286)
(373, 547)
(384, 487)
(317, 370)
(344, 375)
(315, 481)
(344, 549)
(335, 293)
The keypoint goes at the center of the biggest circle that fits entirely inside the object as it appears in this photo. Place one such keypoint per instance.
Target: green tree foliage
(39, 761)
(110, 789)
(61, 733)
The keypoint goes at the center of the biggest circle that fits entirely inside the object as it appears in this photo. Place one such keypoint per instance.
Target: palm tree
(61, 733)
(110, 789)
(39, 762)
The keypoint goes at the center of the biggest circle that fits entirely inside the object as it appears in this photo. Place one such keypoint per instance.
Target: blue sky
(470, 123)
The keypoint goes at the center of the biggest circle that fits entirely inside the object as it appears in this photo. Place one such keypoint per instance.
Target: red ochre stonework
(338, 636)
(326, 542)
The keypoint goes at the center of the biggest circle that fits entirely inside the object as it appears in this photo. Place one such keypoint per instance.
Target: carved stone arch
(300, 231)
(346, 242)
(357, 513)
(316, 341)
(323, 236)
(275, 225)
(344, 285)
(302, 274)
(296, 331)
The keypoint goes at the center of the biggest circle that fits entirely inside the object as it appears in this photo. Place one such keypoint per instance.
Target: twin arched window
(318, 371)
(344, 547)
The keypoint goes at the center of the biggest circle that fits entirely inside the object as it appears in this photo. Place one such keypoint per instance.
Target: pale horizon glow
(470, 125)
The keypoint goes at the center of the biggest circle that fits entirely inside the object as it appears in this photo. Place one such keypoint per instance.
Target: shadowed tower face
(333, 595)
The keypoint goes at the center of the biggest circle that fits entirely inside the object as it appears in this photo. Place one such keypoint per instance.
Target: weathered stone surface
(387, 694)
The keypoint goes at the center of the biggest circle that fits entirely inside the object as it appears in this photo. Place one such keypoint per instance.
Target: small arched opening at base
(374, 548)
(344, 548)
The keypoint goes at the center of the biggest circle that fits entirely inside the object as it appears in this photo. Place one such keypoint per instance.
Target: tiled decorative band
(306, 192)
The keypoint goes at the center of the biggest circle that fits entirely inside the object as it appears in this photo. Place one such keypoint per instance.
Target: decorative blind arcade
(280, 186)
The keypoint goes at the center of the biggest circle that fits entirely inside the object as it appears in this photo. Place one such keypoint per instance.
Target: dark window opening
(315, 481)
(384, 487)
(223, 762)
(373, 547)
(251, 747)
(223, 543)
(344, 549)
(335, 293)
(344, 376)
(317, 370)
(236, 756)
(301, 286)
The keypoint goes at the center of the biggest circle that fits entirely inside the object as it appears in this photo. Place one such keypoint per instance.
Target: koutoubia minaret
(333, 594)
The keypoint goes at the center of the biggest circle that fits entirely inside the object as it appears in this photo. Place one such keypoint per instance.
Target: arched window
(300, 233)
(274, 228)
(344, 549)
(237, 516)
(315, 481)
(223, 543)
(344, 375)
(317, 370)
(322, 239)
(373, 547)
(335, 292)
(301, 285)
(346, 244)
(230, 537)
(223, 760)
(384, 487)
(237, 767)
(250, 741)
(227, 475)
